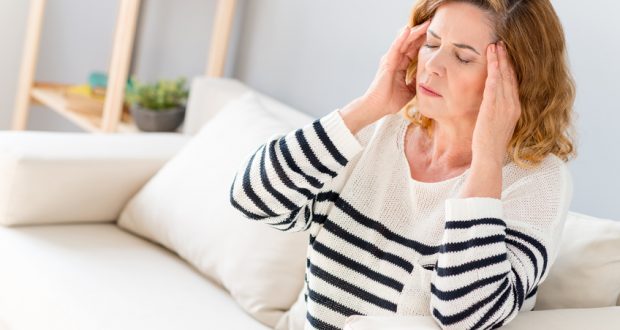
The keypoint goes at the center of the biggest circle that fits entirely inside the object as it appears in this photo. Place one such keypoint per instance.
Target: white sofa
(98, 233)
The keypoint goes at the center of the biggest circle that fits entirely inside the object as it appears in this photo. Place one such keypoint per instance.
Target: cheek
(423, 56)
(467, 85)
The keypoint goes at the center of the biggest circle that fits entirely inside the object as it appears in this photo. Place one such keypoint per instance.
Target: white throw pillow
(295, 318)
(186, 208)
(586, 272)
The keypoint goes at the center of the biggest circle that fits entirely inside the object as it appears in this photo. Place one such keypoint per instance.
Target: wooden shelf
(89, 118)
(103, 115)
(111, 118)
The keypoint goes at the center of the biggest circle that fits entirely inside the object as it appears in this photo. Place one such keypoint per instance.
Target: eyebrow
(455, 44)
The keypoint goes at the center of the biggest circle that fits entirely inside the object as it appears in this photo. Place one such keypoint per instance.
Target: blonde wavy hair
(536, 45)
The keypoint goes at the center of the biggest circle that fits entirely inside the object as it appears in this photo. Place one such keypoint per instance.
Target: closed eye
(457, 57)
(462, 60)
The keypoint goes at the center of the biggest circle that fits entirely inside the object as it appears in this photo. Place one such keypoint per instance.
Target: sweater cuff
(346, 142)
(464, 209)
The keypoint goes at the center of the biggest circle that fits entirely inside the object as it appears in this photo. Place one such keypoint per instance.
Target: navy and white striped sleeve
(278, 184)
(494, 253)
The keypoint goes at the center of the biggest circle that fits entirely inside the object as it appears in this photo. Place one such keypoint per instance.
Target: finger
(490, 87)
(511, 88)
(509, 66)
(511, 74)
(401, 59)
(505, 69)
(500, 77)
(392, 54)
(413, 48)
(402, 36)
(403, 63)
(414, 34)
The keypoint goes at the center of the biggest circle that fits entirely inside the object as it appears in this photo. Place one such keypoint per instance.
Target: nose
(435, 64)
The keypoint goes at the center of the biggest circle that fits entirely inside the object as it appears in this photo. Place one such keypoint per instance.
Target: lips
(429, 90)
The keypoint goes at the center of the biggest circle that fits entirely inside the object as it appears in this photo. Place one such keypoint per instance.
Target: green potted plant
(157, 107)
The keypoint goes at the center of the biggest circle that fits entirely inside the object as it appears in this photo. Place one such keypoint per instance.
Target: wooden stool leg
(29, 64)
(119, 64)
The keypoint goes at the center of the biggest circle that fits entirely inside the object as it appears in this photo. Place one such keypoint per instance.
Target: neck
(449, 145)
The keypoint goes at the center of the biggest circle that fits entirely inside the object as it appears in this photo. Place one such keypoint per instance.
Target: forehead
(463, 22)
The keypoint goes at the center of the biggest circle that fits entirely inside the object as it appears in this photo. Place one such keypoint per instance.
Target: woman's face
(453, 62)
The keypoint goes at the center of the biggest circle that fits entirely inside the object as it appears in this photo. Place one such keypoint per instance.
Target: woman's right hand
(389, 91)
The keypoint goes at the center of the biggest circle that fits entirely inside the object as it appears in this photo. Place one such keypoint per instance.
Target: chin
(429, 109)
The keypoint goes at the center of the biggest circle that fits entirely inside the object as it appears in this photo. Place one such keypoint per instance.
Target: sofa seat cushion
(98, 276)
(602, 318)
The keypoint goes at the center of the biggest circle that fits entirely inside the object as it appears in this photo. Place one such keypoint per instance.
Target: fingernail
(493, 48)
(420, 25)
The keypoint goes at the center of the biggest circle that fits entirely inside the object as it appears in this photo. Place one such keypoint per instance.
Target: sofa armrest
(602, 318)
(60, 177)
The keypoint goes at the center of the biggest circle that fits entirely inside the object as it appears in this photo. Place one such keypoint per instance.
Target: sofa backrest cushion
(209, 95)
(186, 208)
(586, 272)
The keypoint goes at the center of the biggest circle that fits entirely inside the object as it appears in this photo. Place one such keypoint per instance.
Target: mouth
(428, 91)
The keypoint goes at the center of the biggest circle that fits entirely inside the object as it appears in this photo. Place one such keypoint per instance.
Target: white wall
(315, 55)
(172, 40)
(318, 55)
(593, 35)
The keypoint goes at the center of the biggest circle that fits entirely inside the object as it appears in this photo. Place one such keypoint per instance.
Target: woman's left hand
(500, 109)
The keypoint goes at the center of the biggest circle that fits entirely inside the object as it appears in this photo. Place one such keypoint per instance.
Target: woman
(441, 191)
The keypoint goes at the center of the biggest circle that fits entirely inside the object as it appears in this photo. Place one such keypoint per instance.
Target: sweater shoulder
(550, 169)
(377, 129)
(545, 189)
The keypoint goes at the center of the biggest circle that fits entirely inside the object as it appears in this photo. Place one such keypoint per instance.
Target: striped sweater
(383, 243)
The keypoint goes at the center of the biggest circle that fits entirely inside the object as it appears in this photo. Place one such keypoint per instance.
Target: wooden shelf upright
(54, 96)
(110, 118)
